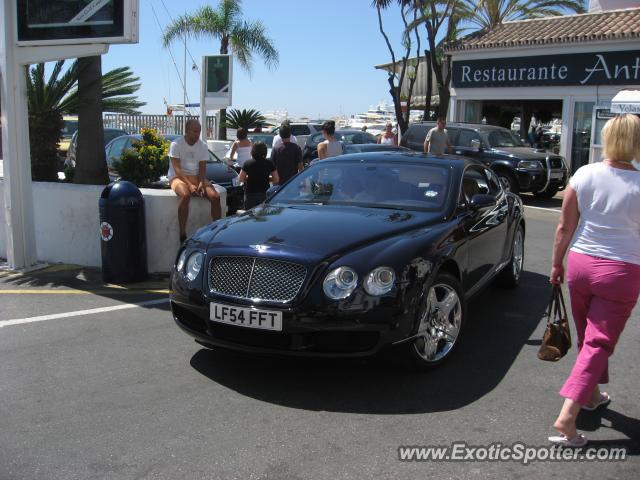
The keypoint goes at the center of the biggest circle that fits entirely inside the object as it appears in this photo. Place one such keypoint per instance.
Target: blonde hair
(621, 138)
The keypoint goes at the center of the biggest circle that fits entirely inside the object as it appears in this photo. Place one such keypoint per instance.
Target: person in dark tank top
(256, 174)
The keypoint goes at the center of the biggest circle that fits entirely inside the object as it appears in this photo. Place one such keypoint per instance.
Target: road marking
(77, 313)
(557, 210)
(81, 292)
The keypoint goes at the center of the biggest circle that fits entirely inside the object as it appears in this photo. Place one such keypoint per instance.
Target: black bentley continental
(355, 254)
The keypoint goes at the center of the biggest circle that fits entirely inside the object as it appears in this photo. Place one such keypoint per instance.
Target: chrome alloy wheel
(517, 259)
(440, 323)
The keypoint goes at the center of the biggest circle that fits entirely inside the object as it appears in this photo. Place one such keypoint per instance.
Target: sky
(327, 51)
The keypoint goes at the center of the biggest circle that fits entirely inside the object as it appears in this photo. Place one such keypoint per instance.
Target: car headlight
(194, 264)
(340, 283)
(530, 165)
(180, 262)
(380, 281)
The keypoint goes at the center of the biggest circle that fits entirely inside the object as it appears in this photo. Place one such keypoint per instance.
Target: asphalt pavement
(97, 382)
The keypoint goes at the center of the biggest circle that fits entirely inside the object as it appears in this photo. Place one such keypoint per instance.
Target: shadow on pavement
(85, 279)
(500, 323)
(630, 427)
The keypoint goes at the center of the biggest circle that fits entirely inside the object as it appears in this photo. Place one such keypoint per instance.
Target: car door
(464, 144)
(485, 227)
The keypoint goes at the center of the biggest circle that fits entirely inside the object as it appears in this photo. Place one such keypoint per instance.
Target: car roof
(474, 126)
(456, 162)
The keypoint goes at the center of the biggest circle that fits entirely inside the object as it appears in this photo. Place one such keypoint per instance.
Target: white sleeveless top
(386, 140)
(609, 205)
(334, 148)
(243, 154)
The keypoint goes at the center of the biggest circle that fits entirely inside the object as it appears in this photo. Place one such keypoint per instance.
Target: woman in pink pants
(602, 207)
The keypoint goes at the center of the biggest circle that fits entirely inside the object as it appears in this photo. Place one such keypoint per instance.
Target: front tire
(441, 317)
(510, 275)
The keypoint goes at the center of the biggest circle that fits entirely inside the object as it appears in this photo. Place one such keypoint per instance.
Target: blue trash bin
(123, 239)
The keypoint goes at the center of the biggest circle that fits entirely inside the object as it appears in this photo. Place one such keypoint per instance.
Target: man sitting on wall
(188, 157)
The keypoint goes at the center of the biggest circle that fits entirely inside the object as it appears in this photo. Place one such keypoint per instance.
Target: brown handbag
(556, 340)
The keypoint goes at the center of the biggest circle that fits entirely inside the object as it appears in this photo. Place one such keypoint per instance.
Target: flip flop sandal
(604, 400)
(578, 441)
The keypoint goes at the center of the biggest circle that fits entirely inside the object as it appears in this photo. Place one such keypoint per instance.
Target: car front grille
(256, 278)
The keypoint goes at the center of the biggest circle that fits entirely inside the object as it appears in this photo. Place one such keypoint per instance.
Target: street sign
(64, 22)
(217, 80)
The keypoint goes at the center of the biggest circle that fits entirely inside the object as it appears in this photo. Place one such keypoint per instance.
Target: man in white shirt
(277, 139)
(188, 157)
(437, 140)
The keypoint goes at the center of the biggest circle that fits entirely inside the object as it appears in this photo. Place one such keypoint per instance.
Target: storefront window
(581, 134)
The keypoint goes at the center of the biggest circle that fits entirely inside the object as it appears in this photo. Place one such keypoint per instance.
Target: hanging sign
(62, 22)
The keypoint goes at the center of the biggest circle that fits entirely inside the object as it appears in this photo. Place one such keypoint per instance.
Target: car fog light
(194, 264)
(340, 283)
(180, 262)
(380, 281)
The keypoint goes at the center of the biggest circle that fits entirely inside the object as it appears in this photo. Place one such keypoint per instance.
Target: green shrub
(146, 161)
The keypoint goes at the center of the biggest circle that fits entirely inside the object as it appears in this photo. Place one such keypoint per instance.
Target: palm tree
(226, 24)
(244, 118)
(48, 99)
(488, 14)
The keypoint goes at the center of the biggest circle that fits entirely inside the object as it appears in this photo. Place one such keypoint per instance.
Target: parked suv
(522, 168)
(301, 130)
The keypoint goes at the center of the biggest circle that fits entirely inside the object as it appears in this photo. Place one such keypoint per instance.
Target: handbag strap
(556, 307)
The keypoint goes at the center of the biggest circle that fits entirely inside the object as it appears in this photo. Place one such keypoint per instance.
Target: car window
(452, 134)
(417, 132)
(358, 138)
(213, 157)
(116, 148)
(317, 127)
(300, 130)
(111, 134)
(503, 138)
(411, 186)
(69, 128)
(466, 137)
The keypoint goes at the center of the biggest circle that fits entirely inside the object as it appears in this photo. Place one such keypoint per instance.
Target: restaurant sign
(599, 68)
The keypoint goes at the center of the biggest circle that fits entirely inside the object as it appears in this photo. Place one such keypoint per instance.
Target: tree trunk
(44, 136)
(222, 127)
(91, 167)
(429, 93)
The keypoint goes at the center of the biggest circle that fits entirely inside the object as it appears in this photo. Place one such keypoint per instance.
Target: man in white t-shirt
(437, 140)
(277, 139)
(188, 157)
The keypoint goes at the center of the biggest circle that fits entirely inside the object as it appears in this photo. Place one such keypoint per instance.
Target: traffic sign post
(215, 86)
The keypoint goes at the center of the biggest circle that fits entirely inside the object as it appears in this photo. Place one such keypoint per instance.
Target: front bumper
(306, 330)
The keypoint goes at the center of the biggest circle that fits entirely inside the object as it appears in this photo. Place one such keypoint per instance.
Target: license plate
(246, 317)
(556, 174)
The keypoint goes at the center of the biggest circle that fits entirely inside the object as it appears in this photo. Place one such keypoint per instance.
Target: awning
(626, 101)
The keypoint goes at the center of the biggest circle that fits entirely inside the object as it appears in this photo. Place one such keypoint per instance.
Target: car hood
(220, 173)
(317, 231)
(523, 153)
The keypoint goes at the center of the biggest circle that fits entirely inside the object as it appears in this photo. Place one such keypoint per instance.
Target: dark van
(523, 168)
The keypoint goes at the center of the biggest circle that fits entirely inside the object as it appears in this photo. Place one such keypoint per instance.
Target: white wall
(67, 222)
(602, 5)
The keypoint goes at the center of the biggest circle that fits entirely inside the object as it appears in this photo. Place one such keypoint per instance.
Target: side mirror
(476, 146)
(482, 200)
(272, 191)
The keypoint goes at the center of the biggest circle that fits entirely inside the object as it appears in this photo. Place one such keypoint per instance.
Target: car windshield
(503, 138)
(393, 185)
(70, 127)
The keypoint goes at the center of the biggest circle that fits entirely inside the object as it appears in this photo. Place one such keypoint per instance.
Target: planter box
(67, 222)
